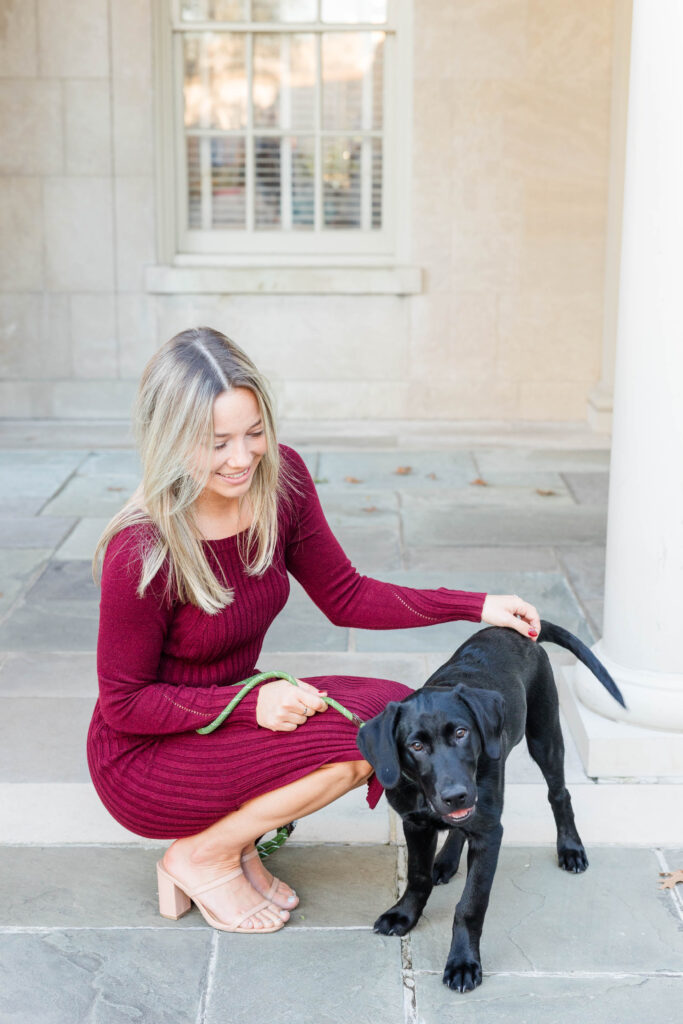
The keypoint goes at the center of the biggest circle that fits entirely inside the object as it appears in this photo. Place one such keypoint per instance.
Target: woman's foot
(230, 900)
(282, 895)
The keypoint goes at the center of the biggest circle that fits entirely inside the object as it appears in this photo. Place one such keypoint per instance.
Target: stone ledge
(206, 280)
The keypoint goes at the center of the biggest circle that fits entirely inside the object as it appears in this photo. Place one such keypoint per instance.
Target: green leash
(282, 835)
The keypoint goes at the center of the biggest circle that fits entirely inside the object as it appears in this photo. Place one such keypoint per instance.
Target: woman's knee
(357, 772)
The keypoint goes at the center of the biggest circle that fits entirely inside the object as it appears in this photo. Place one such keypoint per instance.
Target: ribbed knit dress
(164, 670)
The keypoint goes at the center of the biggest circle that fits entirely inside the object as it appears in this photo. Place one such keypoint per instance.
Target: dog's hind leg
(546, 746)
(448, 859)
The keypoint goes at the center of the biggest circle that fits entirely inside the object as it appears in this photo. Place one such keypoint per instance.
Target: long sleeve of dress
(131, 636)
(315, 558)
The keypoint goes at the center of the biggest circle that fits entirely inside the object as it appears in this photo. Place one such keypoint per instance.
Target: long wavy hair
(173, 421)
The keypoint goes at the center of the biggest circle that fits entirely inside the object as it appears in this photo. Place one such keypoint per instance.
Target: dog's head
(434, 739)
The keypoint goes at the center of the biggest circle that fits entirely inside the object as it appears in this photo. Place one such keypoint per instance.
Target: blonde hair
(173, 421)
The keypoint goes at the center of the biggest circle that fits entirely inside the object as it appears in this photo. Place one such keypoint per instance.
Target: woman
(194, 571)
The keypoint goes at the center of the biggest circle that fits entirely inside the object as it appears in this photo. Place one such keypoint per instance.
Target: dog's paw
(463, 977)
(442, 873)
(572, 858)
(393, 922)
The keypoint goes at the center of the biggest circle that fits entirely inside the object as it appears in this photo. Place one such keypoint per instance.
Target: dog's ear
(488, 710)
(376, 741)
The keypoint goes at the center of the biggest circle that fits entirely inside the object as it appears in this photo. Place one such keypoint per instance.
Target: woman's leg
(195, 860)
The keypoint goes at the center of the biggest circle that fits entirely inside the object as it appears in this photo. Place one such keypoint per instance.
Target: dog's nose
(455, 797)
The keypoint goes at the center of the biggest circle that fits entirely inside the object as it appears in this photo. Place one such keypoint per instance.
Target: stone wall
(509, 200)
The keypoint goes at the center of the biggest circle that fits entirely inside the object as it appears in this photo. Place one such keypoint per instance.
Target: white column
(642, 643)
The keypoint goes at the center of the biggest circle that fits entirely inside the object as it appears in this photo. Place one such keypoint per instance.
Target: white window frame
(347, 249)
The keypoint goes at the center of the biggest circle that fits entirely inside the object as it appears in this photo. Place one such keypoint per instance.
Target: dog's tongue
(460, 814)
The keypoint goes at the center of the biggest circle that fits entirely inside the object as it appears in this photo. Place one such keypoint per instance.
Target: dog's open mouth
(461, 815)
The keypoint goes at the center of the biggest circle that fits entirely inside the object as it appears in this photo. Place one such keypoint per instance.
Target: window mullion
(205, 141)
(250, 169)
(318, 163)
(286, 141)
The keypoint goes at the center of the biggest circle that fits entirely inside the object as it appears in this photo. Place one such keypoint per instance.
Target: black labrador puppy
(440, 754)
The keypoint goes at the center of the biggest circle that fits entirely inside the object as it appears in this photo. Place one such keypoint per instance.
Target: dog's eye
(460, 733)
(416, 745)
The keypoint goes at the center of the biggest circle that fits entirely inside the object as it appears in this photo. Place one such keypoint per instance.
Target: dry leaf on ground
(353, 480)
(432, 476)
(403, 470)
(370, 508)
(478, 482)
(544, 494)
(671, 878)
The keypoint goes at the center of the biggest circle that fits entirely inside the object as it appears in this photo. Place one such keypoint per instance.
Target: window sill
(349, 280)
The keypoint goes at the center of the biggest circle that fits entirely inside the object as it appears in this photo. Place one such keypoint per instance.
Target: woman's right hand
(282, 707)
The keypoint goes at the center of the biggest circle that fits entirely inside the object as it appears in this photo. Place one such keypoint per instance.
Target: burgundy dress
(163, 669)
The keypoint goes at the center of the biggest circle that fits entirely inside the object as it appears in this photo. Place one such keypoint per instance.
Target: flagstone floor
(80, 937)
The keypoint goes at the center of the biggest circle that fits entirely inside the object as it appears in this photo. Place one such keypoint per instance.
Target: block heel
(173, 902)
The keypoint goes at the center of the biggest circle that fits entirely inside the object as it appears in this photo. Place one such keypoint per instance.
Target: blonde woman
(194, 570)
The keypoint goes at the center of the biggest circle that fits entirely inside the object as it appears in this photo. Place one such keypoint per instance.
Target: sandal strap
(216, 882)
(249, 913)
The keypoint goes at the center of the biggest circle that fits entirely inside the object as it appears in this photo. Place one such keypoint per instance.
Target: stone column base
(613, 749)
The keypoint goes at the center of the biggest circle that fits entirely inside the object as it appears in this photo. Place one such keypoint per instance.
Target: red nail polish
(532, 632)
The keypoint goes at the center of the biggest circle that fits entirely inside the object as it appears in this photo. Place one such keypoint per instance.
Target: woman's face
(239, 446)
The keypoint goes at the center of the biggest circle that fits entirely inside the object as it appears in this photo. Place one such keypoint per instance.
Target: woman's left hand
(510, 610)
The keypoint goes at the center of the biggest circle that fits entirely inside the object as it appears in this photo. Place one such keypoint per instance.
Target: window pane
(303, 182)
(377, 183)
(228, 182)
(194, 184)
(267, 182)
(352, 74)
(215, 83)
(284, 81)
(349, 11)
(283, 10)
(341, 183)
(213, 10)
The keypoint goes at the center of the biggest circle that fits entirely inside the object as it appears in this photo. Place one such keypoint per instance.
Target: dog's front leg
(404, 915)
(463, 966)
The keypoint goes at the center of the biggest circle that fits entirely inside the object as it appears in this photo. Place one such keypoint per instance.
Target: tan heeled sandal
(272, 890)
(175, 900)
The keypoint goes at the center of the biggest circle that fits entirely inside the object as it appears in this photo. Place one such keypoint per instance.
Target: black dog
(440, 754)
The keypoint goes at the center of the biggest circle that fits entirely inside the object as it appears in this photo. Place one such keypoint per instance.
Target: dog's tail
(563, 638)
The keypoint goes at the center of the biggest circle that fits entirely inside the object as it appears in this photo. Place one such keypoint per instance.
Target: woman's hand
(510, 610)
(282, 707)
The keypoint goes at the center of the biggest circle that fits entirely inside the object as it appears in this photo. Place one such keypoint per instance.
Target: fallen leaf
(370, 508)
(320, 480)
(432, 476)
(672, 878)
(116, 488)
(479, 482)
(353, 480)
(403, 470)
(544, 494)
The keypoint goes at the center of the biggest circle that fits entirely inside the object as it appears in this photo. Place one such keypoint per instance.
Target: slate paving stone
(509, 460)
(98, 495)
(44, 739)
(379, 469)
(83, 539)
(20, 507)
(492, 496)
(51, 626)
(501, 999)
(480, 559)
(585, 567)
(531, 895)
(321, 979)
(111, 463)
(372, 548)
(49, 674)
(588, 488)
(103, 977)
(17, 565)
(31, 474)
(34, 531)
(64, 581)
(303, 627)
(545, 525)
